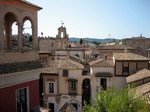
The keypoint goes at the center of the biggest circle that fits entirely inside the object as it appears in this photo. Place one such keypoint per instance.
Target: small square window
(65, 73)
(125, 70)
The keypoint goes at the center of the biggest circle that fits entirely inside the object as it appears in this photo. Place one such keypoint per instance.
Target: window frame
(26, 98)
(65, 72)
(73, 87)
(51, 87)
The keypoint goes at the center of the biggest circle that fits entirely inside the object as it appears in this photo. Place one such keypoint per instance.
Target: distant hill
(90, 39)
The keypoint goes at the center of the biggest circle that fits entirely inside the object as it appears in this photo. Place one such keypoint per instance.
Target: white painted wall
(19, 77)
(96, 80)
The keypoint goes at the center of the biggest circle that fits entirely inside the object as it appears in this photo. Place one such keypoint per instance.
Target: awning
(103, 74)
(72, 80)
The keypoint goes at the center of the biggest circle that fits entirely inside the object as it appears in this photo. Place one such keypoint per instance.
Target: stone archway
(27, 38)
(86, 91)
(11, 41)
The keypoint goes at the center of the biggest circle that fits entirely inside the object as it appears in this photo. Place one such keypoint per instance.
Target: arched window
(27, 34)
(14, 38)
(11, 31)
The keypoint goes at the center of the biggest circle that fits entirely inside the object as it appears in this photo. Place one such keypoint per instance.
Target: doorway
(86, 91)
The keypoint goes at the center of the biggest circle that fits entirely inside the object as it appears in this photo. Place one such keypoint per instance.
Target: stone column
(20, 35)
(34, 37)
(2, 34)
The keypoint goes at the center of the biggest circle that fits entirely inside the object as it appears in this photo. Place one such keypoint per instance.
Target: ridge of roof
(29, 3)
(129, 56)
(144, 73)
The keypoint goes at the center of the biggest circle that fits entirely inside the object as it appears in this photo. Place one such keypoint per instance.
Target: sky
(95, 18)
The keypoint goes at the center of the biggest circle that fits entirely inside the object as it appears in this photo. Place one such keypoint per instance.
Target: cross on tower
(62, 23)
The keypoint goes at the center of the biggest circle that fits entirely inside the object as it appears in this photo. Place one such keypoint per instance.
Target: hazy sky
(95, 18)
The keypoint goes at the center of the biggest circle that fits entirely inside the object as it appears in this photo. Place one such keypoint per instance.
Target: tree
(81, 41)
(117, 101)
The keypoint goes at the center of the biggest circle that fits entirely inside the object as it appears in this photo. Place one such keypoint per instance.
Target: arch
(27, 32)
(86, 91)
(10, 41)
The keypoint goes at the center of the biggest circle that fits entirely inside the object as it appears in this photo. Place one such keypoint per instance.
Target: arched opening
(11, 31)
(86, 91)
(14, 38)
(27, 34)
(61, 34)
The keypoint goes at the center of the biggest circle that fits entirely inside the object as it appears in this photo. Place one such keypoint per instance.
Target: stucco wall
(8, 96)
(9, 57)
(47, 44)
(96, 80)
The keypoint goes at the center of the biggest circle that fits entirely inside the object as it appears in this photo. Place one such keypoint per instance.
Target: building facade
(141, 44)
(64, 86)
(19, 65)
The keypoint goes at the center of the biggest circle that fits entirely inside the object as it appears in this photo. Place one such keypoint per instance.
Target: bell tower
(62, 37)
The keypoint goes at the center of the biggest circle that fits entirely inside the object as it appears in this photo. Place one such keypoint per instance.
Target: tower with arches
(18, 30)
(62, 38)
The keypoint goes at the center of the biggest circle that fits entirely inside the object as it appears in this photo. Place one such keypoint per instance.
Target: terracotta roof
(75, 49)
(138, 76)
(143, 89)
(129, 56)
(102, 63)
(9, 68)
(54, 65)
(103, 74)
(115, 47)
(29, 3)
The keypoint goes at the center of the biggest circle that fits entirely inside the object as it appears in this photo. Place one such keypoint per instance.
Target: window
(65, 73)
(22, 100)
(73, 87)
(52, 44)
(103, 83)
(125, 68)
(51, 87)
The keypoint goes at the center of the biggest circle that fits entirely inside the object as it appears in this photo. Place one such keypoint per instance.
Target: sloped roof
(29, 3)
(138, 76)
(9, 68)
(115, 47)
(54, 65)
(142, 89)
(102, 63)
(129, 56)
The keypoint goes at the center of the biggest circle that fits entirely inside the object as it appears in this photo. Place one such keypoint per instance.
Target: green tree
(81, 41)
(117, 101)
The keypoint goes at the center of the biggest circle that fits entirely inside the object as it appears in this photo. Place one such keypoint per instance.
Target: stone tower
(62, 38)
